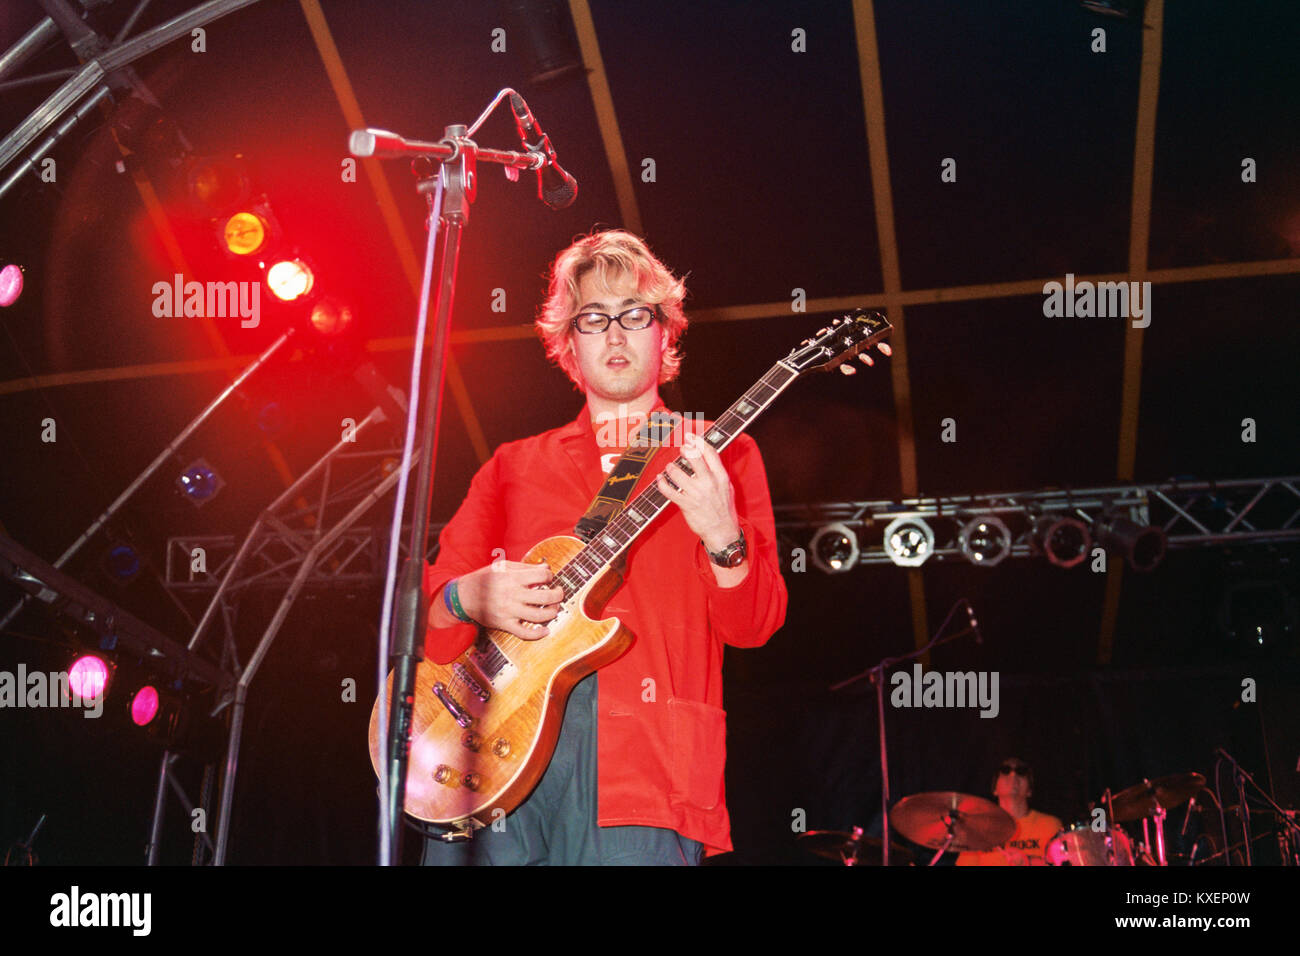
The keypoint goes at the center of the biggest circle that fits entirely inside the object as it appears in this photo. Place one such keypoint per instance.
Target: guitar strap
(613, 494)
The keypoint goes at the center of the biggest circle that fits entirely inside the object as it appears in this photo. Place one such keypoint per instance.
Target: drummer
(1013, 786)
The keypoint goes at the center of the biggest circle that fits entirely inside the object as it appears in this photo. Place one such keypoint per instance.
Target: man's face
(617, 365)
(1012, 784)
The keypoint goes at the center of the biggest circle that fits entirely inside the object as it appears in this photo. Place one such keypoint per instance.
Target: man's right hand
(505, 594)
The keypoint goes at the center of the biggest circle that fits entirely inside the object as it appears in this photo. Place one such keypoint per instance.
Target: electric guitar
(484, 727)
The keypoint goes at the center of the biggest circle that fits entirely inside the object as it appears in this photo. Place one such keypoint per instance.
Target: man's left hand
(707, 500)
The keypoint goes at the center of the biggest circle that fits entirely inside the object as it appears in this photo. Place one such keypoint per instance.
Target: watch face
(732, 556)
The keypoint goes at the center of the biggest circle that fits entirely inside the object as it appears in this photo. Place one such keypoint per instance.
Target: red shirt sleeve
(749, 613)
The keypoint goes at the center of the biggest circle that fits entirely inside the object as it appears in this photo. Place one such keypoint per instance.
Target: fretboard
(641, 511)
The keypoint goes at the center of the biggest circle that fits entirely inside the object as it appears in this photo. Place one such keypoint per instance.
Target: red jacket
(661, 745)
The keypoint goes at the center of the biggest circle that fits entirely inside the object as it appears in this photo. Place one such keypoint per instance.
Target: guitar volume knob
(470, 781)
(471, 741)
(501, 747)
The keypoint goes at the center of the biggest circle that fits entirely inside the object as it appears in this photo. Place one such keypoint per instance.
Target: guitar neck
(641, 511)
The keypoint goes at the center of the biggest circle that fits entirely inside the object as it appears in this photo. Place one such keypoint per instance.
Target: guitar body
(509, 695)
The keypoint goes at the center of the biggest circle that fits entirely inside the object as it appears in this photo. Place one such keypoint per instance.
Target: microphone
(555, 187)
(974, 624)
(386, 145)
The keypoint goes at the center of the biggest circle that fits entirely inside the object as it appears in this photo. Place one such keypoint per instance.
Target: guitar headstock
(846, 337)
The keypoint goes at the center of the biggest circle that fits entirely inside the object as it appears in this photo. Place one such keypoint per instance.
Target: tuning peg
(866, 359)
(848, 370)
(885, 349)
(823, 331)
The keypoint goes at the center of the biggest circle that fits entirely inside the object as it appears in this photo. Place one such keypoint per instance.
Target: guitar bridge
(466, 676)
(491, 662)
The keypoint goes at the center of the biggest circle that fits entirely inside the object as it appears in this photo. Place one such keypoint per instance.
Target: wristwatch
(732, 556)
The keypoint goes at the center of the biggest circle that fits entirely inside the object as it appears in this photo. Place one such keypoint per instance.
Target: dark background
(762, 186)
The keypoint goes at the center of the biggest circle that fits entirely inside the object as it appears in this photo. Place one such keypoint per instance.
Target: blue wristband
(451, 600)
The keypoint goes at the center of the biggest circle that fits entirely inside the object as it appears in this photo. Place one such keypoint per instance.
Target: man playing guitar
(637, 773)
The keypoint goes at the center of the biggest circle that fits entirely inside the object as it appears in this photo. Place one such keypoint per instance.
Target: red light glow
(329, 317)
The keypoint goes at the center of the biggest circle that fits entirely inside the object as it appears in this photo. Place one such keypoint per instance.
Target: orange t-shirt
(1033, 832)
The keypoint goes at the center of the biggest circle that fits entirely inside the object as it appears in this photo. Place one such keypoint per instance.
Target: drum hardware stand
(1159, 816)
(1288, 840)
(1110, 825)
(876, 675)
(1148, 844)
(950, 820)
(851, 859)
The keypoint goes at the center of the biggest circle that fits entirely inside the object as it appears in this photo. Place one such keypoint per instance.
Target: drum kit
(948, 821)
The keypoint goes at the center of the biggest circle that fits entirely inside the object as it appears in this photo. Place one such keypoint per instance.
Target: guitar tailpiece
(463, 833)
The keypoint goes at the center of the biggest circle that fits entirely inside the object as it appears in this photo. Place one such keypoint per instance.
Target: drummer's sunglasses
(1017, 768)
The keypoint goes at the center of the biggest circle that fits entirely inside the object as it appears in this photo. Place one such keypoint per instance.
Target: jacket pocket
(699, 752)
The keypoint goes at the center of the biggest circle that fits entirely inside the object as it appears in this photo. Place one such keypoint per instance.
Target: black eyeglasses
(1016, 768)
(633, 320)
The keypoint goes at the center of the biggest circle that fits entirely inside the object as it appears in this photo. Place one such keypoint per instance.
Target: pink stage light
(144, 706)
(88, 677)
(11, 284)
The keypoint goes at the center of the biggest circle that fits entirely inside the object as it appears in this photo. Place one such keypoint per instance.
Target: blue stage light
(123, 562)
(200, 482)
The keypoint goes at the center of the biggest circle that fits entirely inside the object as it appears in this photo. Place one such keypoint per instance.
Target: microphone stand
(1242, 778)
(454, 184)
(876, 675)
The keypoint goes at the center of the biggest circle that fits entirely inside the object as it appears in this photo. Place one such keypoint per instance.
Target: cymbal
(866, 850)
(1142, 799)
(977, 824)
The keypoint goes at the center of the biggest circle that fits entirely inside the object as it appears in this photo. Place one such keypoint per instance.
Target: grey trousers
(556, 825)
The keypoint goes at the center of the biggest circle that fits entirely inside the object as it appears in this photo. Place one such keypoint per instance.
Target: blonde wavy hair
(610, 253)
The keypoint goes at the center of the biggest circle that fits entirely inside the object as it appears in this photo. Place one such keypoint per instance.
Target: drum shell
(1080, 845)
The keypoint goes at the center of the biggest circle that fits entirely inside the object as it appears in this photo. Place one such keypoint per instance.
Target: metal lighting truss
(356, 559)
(1191, 513)
(1202, 513)
(105, 65)
(306, 535)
